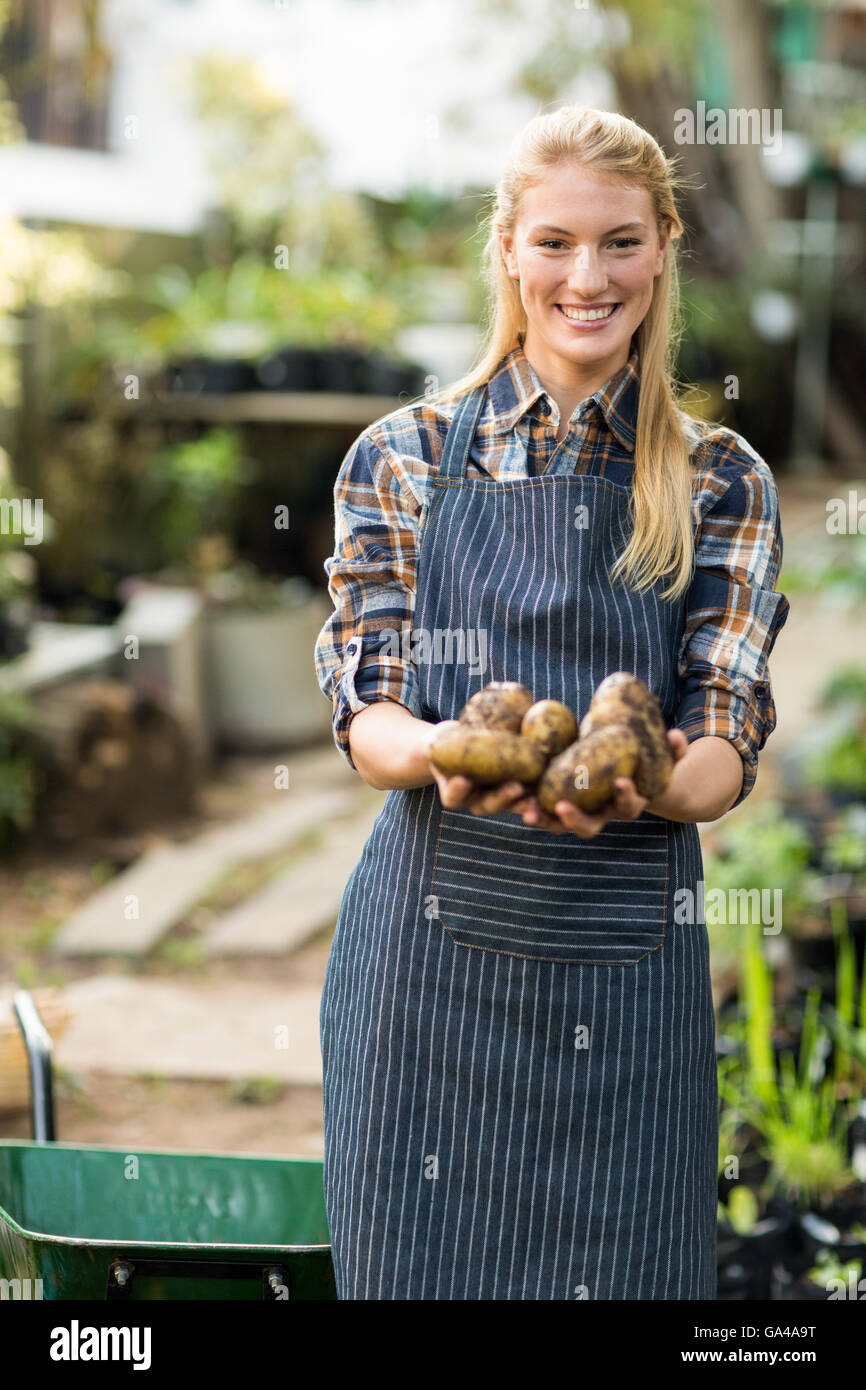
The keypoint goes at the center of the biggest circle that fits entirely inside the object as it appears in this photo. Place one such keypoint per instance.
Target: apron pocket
(500, 885)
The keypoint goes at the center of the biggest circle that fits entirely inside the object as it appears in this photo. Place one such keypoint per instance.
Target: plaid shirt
(381, 499)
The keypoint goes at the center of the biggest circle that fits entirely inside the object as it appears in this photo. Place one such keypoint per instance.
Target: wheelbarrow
(86, 1221)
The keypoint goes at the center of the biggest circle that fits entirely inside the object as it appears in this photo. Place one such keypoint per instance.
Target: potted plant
(829, 1277)
(748, 1244)
(796, 1111)
(259, 636)
(211, 329)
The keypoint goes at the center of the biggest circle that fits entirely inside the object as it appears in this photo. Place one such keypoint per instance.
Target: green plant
(844, 849)
(729, 1123)
(801, 1121)
(845, 686)
(191, 489)
(186, 953)
(837, 572)
(837, 759)
(741, 1209)
(765, 850)
(257, 1090)
(847, 1017)
(828, 1266)
(250, 309)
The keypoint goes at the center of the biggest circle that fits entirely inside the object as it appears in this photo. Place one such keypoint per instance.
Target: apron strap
(461, 433)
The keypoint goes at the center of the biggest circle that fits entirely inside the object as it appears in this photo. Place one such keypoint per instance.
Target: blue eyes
(621, 241)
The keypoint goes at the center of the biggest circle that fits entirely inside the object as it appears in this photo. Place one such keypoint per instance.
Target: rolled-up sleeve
(733, 612)
(363, 652)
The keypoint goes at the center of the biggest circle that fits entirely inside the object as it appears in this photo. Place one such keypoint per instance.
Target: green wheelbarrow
(84, 1221)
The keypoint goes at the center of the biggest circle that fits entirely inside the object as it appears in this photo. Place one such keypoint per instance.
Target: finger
(495, 799)
(455, 791)
(678, 742)
(542, 820)
(582, 824)
(628, 804)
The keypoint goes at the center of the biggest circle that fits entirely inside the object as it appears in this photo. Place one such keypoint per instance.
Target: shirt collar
(514, 388)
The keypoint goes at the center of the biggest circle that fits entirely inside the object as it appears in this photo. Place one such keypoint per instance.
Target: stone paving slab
(131, 913)
(298, 903)
(274, 827)
(129, 1026)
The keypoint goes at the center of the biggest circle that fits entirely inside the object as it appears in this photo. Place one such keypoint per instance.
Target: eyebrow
(561, 231)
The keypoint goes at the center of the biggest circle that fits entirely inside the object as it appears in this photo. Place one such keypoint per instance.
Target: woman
(517, 1028)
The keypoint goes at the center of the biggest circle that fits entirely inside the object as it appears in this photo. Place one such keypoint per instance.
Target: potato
(600, 756)
(551, 725)
(487, 756)
(499, 705)
(624, 699)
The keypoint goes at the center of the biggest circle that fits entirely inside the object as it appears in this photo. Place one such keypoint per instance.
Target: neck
(570, 383)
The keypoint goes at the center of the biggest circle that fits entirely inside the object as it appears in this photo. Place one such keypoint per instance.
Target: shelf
(269, 407)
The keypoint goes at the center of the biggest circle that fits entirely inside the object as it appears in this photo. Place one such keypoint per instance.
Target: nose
(587, 275)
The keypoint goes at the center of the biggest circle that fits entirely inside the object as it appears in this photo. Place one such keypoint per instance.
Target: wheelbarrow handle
(37, 1041)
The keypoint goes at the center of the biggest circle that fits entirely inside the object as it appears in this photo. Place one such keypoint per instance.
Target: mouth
(595, 316)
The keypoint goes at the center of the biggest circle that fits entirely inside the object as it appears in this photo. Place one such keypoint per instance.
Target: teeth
(587, 315)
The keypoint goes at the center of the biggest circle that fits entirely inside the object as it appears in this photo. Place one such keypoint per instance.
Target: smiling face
(586, 251)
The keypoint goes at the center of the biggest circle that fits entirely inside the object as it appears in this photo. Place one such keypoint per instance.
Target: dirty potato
(584, 773)
(624, 699)
(487, 756)
(499, 705)
(551, 725)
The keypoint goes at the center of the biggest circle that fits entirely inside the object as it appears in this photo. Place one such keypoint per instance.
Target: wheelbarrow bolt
(121, 1274)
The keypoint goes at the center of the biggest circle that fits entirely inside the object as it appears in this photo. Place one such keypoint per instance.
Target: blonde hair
(660, 507)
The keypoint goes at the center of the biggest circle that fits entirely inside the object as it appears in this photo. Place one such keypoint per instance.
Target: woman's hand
(627, 804)
(461, 793)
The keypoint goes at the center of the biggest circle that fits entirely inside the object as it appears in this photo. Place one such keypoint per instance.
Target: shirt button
(544, 408)
(761, 690)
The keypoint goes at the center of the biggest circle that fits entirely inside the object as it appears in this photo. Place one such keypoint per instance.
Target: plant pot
(340, 369)
(289, 369)
(262, 689)
(209, 376)
(818, 1232)
(385, 377)
(745, 1262)
(787, 1287)
(816, 953)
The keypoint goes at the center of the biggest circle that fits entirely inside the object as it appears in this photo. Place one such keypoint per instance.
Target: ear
(664, 240)
(506, 245)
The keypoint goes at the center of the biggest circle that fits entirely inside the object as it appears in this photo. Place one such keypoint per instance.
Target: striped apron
(517, 1029)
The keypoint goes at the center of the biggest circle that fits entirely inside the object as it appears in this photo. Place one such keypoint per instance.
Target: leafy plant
(828, 1266)
(190, 489)
(847, 1017)
(797, 1112)
(250, 309)
(840, 579)
(837, 759)
(845, 686)
(763, 849)
(741, 1209)
(844, 849)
